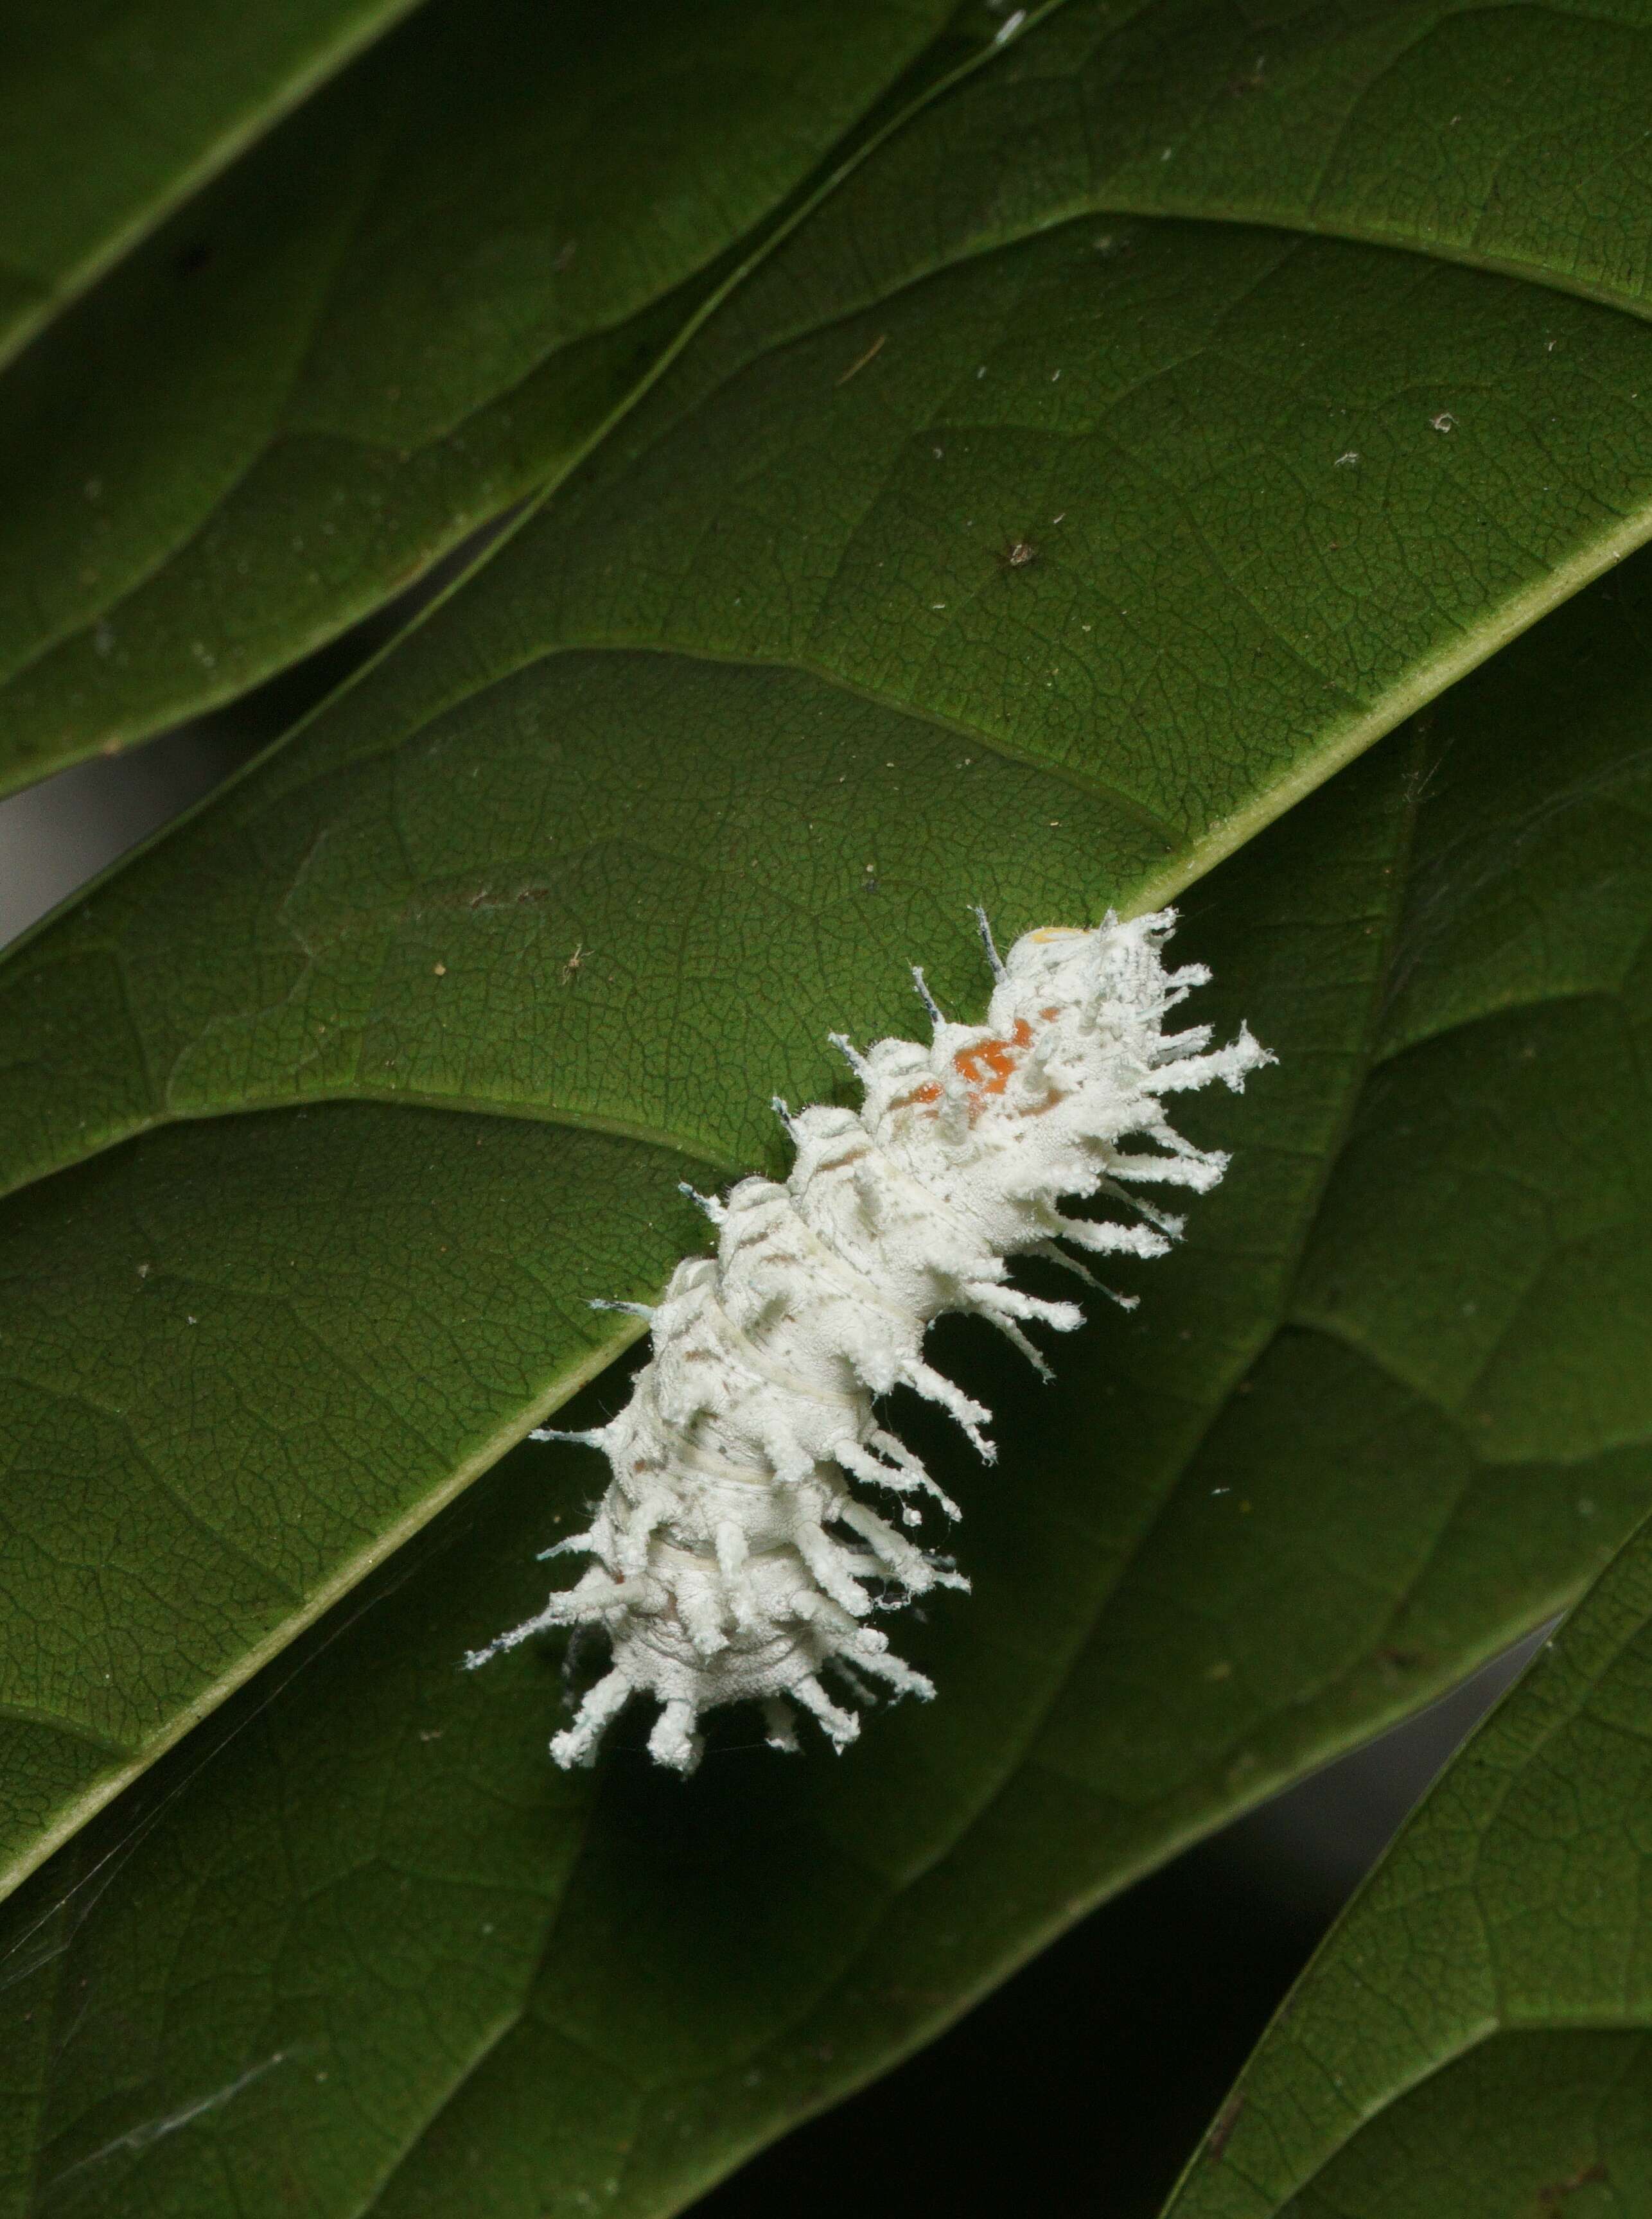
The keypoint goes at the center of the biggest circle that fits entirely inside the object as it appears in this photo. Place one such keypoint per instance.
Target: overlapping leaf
(361, 1947)
(418, 300)
(423, 298)
(1473, 2037)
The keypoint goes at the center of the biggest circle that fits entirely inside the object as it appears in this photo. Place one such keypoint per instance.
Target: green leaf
(417, 301)
(767, 701)
(220, 1418)
(111, 111)
(1473, 2036)
(391, 343)
(742, 723)
(358, 1946)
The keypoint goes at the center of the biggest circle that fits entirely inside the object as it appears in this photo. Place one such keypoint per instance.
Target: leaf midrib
(698, 1157)
(1429, 678)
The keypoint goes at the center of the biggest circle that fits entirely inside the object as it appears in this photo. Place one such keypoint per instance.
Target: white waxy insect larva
(732, 1561)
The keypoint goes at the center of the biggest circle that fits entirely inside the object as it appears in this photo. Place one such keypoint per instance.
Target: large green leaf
(425, 295)
(359, 1946)
(111, 111)
(1473, 2037)
(418, 300)
(742, 723)
(784, 647)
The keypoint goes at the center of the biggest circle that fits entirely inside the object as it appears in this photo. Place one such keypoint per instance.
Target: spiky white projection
(734, 1560)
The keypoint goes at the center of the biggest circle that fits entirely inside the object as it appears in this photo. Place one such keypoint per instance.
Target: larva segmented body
(732, 1554)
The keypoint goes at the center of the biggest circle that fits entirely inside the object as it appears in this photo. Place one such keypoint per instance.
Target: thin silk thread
(733, 1560)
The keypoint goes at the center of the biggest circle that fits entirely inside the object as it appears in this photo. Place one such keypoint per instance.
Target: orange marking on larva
(999, 1057)
(929, 1091)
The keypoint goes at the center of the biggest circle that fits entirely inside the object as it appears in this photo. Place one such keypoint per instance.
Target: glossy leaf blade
(486, 282)
(785, 646)
(1473, 2035)
(1237, 1534)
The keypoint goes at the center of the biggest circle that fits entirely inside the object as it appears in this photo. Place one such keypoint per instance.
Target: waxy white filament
(732, 1553)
